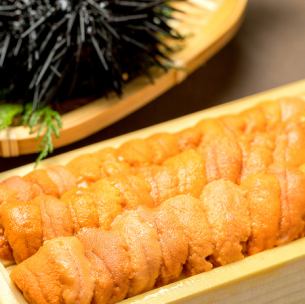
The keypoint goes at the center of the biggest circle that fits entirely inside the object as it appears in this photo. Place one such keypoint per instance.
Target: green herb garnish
(7, 114)
(45, 122)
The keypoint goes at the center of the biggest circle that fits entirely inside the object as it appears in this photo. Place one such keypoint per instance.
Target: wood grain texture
(293, 89)
(209, 25)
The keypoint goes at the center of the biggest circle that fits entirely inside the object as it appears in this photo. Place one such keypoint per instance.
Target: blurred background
(268, 51)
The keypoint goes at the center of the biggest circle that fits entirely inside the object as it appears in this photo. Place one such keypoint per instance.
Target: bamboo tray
(211, 23)
(272, 276)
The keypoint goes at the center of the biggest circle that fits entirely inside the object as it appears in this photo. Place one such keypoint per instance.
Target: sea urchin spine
(52, 50)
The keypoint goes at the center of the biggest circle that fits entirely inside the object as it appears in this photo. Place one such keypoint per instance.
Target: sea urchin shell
(51, 50)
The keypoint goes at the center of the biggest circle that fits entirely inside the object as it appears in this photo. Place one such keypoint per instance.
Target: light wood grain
(293, 89)
(210, 24)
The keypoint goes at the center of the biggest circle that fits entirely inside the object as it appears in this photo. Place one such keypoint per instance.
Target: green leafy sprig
(47, 123)
(7, 114)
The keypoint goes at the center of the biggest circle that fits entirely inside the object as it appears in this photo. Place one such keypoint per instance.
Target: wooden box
(273, 276)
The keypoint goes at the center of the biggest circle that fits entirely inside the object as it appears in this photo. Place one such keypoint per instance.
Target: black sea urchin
(51, 50)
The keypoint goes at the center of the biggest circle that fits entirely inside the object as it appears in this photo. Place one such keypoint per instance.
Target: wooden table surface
(268, 51)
